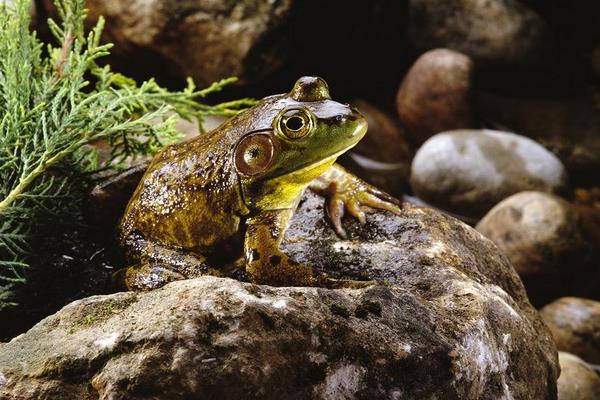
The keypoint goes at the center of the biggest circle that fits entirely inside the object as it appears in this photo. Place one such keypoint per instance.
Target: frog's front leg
(346, 192)
(265, 263)
(157, 265)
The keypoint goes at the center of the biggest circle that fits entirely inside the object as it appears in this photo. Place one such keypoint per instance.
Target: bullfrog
(229, 194)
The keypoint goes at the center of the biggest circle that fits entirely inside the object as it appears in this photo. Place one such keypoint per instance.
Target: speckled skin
(230, 193)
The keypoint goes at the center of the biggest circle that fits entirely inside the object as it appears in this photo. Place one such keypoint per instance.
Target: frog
(226, 197)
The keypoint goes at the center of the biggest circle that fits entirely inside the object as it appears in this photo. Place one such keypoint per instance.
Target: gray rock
(500, 31)
(575, 326)
(451, 322)
(435, 94)
(569, 127)
(548, 243)
(469, 171)
(577, 380)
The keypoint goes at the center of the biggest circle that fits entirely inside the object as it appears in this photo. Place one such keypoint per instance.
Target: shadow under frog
(229, 194)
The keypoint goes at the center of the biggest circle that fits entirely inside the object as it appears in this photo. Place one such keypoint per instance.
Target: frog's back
(189, 196)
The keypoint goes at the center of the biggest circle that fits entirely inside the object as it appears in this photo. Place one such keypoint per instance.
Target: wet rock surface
(469, 171)
(435, 95)
(577, 380)
(452, 320)
(544, 237)
(575, 326)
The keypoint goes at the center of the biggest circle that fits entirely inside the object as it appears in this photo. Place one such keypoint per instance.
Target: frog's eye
(254, 154)
(295, 124)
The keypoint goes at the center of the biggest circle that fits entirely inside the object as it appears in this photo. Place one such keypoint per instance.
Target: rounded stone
(467, 172)
(577, 380)
(435, 94)
(575, 326)
(451, 321)
(498, 31)
(568, 126)
(545, 240)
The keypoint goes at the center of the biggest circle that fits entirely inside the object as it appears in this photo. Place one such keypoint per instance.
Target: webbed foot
(347, 193)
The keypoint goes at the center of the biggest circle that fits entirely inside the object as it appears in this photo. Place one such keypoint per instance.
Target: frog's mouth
(313, 170)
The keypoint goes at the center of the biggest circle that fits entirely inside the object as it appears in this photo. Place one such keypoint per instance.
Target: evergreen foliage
(55, 103)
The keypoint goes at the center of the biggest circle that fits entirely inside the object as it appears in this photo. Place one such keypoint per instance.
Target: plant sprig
(55, 105)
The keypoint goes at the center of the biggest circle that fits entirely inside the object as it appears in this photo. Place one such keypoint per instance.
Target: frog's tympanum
(229, 194)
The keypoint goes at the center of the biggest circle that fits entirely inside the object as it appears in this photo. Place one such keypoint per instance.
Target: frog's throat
(284, 191)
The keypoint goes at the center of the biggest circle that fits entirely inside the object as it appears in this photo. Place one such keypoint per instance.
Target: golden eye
(254, 154)
(295, 124)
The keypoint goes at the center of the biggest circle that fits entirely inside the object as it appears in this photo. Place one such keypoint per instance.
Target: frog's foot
(155, 265)
(356, 197)
(148, 277)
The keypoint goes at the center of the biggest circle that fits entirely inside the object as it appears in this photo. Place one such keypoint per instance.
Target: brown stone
(545, 240)
(203, 39)
(577, 380)
(435, 94)
(575, 326)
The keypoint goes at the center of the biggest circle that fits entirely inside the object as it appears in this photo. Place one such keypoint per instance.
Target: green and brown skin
(229, 195)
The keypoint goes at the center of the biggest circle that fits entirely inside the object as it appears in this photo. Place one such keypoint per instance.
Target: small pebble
(577, 381)
(575, 326)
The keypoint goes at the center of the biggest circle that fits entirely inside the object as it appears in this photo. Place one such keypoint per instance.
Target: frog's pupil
(254, 152)
(294, 123)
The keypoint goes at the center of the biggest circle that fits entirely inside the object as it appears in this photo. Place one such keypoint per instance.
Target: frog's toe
(384, 196)
(354, 208)
(335, 209)
(374, 201)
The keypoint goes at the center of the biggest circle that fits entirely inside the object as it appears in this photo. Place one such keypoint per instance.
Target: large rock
(435, 94)
(451, 321)
(469, 171)
(548, 242)
(575, 326)
(207, 40)
(500, 31)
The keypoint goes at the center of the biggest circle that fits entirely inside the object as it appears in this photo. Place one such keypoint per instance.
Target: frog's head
(306, 132)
